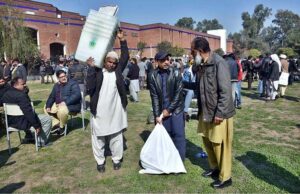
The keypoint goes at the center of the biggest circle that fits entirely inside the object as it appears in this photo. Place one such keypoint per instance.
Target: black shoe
(117, 166)
(213, 173)
(60, 131)
(186, 117)
(238, 107)
(101, 168)
(28, 141)
(220, 185)
(54, 129)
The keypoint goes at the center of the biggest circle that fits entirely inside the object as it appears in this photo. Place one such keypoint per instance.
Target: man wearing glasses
(167, 97)
(64, 98)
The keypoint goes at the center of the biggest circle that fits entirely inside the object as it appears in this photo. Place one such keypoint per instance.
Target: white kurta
(111, 116)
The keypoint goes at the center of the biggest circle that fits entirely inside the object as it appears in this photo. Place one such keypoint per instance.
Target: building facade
(57, 32)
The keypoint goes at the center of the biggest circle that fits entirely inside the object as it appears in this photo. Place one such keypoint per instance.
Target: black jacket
(233, 68)
(77, 73)
(3, 90)
(274, 71)
(133, 72)
(174, 89)
(213, 89)
(29, 118)
(95, 79)
(70, 94)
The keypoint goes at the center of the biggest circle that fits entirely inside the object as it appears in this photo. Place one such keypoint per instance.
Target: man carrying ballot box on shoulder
(108, 105)
(167, 97)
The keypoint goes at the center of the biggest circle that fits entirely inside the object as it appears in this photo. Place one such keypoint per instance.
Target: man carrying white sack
(108, 105)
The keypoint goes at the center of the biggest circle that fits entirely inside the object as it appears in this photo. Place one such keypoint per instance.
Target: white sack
(159, 154)
(284, 78)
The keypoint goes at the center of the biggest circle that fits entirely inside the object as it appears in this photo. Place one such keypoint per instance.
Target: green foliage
(177, 51)
(219, 51)
(286, 20)
(164, 46)
(206, 25)
(253, 24)
(186, 22)
(250, 37)
(285, 31)
(254, 53)
(287, 51)
(16, 40)
(141, 46)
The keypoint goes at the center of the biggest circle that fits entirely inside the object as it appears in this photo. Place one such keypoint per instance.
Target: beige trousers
(220, 154)
(59, 115)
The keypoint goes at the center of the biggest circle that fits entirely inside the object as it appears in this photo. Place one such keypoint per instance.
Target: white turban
(113, 55)
(275, 57)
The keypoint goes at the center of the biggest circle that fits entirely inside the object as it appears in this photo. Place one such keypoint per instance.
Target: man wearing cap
(216, 110)
(167, 97)
(284, 77)
(108, 105)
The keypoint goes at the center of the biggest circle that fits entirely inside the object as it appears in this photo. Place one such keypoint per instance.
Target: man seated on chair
(41, 123)
(64, 99)
(4, 86)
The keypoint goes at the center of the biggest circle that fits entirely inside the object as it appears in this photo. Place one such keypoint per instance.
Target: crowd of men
(214, 80)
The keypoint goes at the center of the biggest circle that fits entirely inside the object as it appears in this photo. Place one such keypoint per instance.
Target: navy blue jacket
(70, 94)
(234, 68)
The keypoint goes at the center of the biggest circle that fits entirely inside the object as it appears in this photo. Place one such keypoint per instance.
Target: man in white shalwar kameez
(108, 105)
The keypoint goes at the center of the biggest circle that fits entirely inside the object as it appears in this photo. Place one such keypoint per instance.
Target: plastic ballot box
(98, 35)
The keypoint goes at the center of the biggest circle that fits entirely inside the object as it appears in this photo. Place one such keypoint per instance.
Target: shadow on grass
(270, 172)
(252, 96)
(145, 134)
(191, 151)
(73, 124)
(292, 98)
(12, 187)
(4, 156)
(36, 102)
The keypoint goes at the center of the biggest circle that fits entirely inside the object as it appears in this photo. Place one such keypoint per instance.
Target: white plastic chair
(14, 110)
(82, 115)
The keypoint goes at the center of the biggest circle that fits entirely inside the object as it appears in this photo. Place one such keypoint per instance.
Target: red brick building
(58, 32)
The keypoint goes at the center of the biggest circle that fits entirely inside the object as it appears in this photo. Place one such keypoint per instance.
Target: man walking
(216, 109)
(108, 105)
(167, 97)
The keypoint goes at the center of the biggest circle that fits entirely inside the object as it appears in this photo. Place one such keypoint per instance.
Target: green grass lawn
(266, 151)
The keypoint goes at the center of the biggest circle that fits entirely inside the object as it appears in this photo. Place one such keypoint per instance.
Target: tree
(220, 52)
(254, 53)
(16, 40)
(141, 46)
(177, 51)
(286, 20)
(253, 24)
(206, 25)
(186, 22)
(164, 46)
(167, 47)
(288, 29)
(287, 51)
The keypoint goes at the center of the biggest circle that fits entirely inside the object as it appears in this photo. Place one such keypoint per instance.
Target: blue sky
(142, 12)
